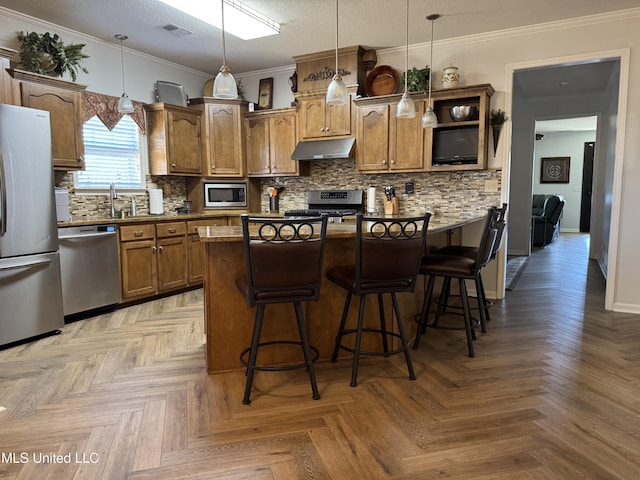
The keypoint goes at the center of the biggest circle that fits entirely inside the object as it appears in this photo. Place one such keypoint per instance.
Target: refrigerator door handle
(3, 198)
(33, 263)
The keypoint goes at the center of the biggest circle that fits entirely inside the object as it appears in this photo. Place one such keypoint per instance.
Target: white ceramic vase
(450, 77)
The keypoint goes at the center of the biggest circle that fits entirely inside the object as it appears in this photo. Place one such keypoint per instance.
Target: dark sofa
(545, 218)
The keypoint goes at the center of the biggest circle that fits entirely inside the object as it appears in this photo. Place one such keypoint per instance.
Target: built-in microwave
(225, 194)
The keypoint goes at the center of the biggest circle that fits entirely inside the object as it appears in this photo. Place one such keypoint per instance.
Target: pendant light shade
(406, 108)
(125, 105)
(337, 93)
(224, 86)
(429, 119)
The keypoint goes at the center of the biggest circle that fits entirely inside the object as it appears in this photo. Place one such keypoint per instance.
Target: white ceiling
(307, 25)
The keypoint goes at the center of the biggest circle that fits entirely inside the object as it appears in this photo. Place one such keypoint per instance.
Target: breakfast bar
(229, 320)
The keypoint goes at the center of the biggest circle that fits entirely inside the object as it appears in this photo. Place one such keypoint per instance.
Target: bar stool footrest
(376, 353)
(279, 368)
(474, 323)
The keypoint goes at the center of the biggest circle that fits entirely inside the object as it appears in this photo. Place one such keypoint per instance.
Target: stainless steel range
(335, 203)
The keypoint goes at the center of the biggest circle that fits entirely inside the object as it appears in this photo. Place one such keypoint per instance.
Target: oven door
(225, 195)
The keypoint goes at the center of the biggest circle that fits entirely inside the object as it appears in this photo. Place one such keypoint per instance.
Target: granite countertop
(346, 229)
(147, 218)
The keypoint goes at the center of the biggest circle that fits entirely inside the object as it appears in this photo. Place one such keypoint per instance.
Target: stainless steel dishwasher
(89, 268)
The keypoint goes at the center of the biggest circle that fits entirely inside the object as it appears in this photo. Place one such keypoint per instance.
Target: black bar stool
(284, 265)
(388, 253)
(472, 252)
(463, 268)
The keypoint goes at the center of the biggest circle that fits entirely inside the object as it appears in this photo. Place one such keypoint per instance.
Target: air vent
(177, 30)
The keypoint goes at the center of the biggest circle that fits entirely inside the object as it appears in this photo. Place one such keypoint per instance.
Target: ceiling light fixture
(337, 93)
(406, 108)
(429, 119)
(125, 105)
(242, 21)
(224, 85)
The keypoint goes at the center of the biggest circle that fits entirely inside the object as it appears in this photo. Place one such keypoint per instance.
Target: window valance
(106, 108)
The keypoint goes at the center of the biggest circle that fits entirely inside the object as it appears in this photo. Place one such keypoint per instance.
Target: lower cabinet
(195, 252)
(160, 257)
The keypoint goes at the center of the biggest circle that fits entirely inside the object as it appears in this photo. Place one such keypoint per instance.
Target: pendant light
(406, 107)
(429, 119)
(125, 105)
(224, 85)
(337, 92)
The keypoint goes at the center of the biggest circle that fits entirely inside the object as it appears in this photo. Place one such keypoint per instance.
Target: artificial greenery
(497, 117)
(417, 79)
(46, 54)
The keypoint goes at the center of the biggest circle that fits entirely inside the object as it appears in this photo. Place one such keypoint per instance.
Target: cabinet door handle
(138, 233)
(173, 165)
(172, 230)
(392, 162)
(153, 249)
(384, 162)
(160, 248)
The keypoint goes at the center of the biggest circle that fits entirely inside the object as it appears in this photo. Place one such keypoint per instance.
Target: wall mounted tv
(455, 146)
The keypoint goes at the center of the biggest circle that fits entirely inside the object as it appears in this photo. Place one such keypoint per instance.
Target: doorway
(542, 97)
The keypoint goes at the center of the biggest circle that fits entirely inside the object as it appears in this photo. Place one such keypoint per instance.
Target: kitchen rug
(515, 269)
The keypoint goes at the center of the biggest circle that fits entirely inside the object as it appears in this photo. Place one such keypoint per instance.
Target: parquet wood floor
(553, 393)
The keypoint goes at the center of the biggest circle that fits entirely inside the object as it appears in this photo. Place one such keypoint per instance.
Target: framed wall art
(265, 93)
(554, 169)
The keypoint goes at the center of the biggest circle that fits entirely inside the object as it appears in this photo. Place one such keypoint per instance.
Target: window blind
(111, 156)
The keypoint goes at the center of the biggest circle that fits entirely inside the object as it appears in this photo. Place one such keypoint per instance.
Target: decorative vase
(450, 77)
(496, 136)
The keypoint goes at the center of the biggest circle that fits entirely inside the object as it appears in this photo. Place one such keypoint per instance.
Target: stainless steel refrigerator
(30, 285)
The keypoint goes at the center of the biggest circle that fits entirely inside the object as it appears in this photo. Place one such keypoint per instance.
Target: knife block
(391, 206)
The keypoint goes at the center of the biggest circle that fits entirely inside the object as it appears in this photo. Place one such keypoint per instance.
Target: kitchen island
(229, 320)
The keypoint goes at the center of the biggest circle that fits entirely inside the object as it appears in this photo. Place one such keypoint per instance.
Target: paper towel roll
(155, 201)
(371, 199)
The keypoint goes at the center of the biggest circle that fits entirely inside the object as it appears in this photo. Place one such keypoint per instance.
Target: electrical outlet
(409, 188)
(490, 186)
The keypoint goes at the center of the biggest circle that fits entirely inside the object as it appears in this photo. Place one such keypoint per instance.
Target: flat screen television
(455, 146)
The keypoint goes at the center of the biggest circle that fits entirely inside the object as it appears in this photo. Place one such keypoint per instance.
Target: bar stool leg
(481, 304)
(356, 353)
(345, 312)
(467, 317)
(383, 325)
(424, 315)
(403, 336)
(441, 307)
(253, 354)
(485, 302)
(306, 349)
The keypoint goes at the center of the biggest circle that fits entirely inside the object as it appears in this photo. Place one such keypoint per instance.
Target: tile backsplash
(440, 192)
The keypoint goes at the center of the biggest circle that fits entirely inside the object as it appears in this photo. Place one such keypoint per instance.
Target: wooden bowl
(382, 80)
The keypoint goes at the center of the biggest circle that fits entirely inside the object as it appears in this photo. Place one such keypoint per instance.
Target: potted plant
(417, 79)
(496, 120)
(46, 54)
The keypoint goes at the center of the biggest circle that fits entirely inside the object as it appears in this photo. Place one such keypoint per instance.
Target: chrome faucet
(112, 196)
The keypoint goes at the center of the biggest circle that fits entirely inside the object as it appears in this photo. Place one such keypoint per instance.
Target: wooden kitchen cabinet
(138, 263)
(270, 138)
(153, 258)
(222, 134)
(195, 252)
(63, 100)
(318, 120)
(385, 143)
(7, 55)
(472, 133)
(174, 140)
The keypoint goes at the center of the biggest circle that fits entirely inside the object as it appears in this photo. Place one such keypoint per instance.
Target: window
(111, 156)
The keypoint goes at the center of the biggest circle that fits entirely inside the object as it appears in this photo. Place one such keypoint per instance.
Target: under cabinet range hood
(324, 149)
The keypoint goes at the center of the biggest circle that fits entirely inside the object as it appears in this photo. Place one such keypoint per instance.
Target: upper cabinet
(386, 144)
(319, 120)
(270, 138)
(6, 92)
(459, 145)
(222, 128)
(63, 100)
(174, 140)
